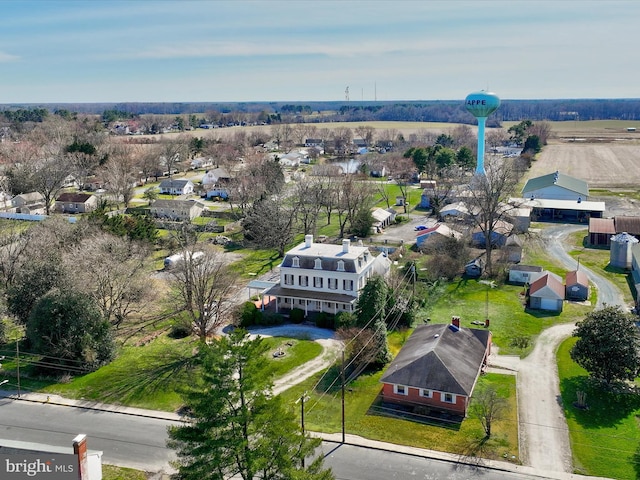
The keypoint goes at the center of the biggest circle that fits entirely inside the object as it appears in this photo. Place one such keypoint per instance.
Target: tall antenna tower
(346, 93)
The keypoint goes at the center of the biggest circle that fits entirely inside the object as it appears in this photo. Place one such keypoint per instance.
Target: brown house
(76, 203)
(437, 368)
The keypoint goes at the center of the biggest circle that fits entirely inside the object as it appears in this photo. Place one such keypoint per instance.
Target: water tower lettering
(476, 102)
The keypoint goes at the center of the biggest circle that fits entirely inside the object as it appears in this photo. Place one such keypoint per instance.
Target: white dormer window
(341, 265)
(295, 262)
(318, 264)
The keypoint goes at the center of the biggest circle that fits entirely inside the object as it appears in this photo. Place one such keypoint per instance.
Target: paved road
(544, 436)
(132, 440)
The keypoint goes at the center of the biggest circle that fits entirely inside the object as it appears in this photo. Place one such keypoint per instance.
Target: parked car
(421, 227)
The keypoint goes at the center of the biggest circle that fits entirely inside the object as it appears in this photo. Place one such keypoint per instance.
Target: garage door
(548, 304)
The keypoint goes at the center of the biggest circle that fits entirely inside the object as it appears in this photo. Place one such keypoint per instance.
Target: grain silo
(621, 250)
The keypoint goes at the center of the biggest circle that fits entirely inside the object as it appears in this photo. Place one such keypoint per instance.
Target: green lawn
(506, 312)
(151, 375)
(597, 259)
(111, 472)
(605, 439)
(366, 416)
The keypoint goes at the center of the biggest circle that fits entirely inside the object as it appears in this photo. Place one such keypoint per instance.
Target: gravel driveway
(331, 349)
(544, 436)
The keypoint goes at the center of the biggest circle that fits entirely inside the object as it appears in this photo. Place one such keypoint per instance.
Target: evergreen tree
(371, 312)
(237, 428)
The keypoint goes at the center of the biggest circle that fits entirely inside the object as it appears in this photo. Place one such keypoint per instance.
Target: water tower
(481, 105)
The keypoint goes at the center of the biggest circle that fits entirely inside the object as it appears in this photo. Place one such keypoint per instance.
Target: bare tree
(486, 199)
(488, 407)
(367, 133)
(496, 137)
(403, 170)
(307, 194)
(342, 137)
(352, 197)
(48, 177)
(203, 286)
(111, 270)
(542, 129)
(120, 173)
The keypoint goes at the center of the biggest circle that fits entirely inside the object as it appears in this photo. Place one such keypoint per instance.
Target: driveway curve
(331, 348)
(544, 436)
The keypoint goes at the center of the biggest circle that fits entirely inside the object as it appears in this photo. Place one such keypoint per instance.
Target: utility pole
(18, 363)
(342, 378)
(302, 398)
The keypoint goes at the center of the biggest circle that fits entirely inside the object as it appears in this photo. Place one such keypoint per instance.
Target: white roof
(585, 206)
(380, 214)
(454, 209)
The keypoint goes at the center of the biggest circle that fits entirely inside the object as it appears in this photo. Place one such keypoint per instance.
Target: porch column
(262, 302)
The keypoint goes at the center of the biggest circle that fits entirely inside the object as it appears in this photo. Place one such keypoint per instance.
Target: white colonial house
(318, 277)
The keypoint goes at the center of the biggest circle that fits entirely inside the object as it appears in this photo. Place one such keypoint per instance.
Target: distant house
(521, 219)
(382, 218)
(600, 231)
(176, 210)
(176, 186)
(201, 162)
(577, 285)
(437, 368)
(557, 186)
(457, 209)
(29, 203)
(216, 176)
(524, 274)
(76, 203)
(313, 142)
(547, 293)
(499, 234)
(439, 229)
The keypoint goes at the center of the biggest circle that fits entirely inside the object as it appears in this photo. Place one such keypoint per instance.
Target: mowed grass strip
(605, 439)
(152, 376)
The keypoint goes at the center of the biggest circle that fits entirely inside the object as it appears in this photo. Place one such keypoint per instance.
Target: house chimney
(80, 450)
(345, 245)
(455, 321)
(308, 240)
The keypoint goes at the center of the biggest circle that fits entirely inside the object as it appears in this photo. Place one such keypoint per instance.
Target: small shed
(474, 268)
(577, 285)
(524, 274)
(601, 230)
(547, 293)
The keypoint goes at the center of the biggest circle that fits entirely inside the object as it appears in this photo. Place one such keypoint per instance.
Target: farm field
(601, 165)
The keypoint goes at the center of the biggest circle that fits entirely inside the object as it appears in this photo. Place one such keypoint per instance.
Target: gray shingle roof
(440, 357)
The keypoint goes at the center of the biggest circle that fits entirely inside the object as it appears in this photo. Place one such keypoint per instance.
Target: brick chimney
(80, 450)
(308, 240)
(346, 243)
(455, 321)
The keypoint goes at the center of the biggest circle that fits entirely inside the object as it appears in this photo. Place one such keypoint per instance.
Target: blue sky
(295, 50)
